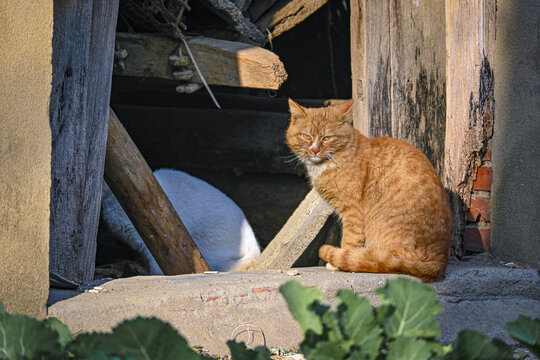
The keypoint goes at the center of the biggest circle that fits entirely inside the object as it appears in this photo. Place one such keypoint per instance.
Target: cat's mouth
(315, 159)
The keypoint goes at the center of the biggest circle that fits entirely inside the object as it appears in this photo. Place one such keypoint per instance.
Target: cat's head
(316, 135)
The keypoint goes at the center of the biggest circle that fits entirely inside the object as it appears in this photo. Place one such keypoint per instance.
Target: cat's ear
(345, 107)
(344, 111)
(296, 110)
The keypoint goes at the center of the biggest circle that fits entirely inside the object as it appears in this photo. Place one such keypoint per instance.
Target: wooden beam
(82, 58)
(147, 206)
(221, 62)
(470, 45)
(287, 14)
(296, 235)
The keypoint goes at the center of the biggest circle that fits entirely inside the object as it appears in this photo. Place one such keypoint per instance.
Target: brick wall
(478, 228)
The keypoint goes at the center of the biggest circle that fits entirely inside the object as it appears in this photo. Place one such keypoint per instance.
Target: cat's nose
(315, 150)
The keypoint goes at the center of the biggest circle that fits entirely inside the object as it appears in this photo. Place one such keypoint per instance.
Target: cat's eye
(326, 138)
(306, 136)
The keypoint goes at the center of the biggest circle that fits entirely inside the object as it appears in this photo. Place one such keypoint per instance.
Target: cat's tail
(367, 260)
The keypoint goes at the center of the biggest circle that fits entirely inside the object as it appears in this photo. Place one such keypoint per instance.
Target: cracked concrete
(209, 309)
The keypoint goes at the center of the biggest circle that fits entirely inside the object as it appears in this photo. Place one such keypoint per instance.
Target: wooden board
(287, 14)
(83, 46)
(221, 62)
(147, 206)
(470, 42)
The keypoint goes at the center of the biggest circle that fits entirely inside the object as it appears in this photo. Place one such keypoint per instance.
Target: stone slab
(209, 309)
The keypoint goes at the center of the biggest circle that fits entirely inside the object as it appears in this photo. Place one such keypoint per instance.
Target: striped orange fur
(395, 212)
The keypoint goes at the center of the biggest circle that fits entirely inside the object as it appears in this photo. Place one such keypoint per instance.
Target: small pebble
(293, 272)
(93, 291)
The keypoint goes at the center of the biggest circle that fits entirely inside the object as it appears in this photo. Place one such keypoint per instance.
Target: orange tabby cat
(395, 212)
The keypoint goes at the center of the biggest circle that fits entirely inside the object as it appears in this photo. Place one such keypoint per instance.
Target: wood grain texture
(418, 67)
(398, 67)
(287, 14)
(221, 62)
(147, 206)
(370, 66)
(83, 47)
(470, 43)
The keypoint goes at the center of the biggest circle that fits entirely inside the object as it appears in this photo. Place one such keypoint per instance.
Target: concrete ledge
(210, 309)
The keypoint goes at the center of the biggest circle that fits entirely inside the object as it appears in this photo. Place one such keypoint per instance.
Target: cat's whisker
(291, 160)
(297, 163)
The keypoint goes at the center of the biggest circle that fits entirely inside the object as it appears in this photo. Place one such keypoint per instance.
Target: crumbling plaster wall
(26, 30)
(516, 139)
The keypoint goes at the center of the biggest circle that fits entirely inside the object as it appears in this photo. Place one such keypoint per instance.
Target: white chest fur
(315, 170)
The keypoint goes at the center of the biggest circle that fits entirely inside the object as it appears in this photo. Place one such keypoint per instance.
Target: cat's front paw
(331, 267)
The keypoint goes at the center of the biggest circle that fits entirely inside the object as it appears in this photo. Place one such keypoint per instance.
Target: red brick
(480, 207)
(483, 179)
(477, 239)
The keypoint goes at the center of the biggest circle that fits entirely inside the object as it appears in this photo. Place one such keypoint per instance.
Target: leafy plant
(527, 332)
(403, 327)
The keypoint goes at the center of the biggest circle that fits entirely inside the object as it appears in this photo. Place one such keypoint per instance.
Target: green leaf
(473, 345)
(89, 346)
(326, 350)
(414, 309)
(24, 337)
(64, 334)
(2, 308)
(356, 317)
(407, 349)
(239, 351)
(331, 327)
(358, 355)
(304, 304)
(140, 338)
(526, 330)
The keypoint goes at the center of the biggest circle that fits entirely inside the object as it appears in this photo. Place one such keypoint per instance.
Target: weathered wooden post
(83, 49)
(398, 70)
(137, 190)
(470, 40)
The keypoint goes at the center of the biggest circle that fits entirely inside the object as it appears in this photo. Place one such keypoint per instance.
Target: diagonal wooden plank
(147, 206)
(297, 233)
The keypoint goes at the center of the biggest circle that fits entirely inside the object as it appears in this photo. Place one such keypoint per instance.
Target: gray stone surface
(212, 308)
